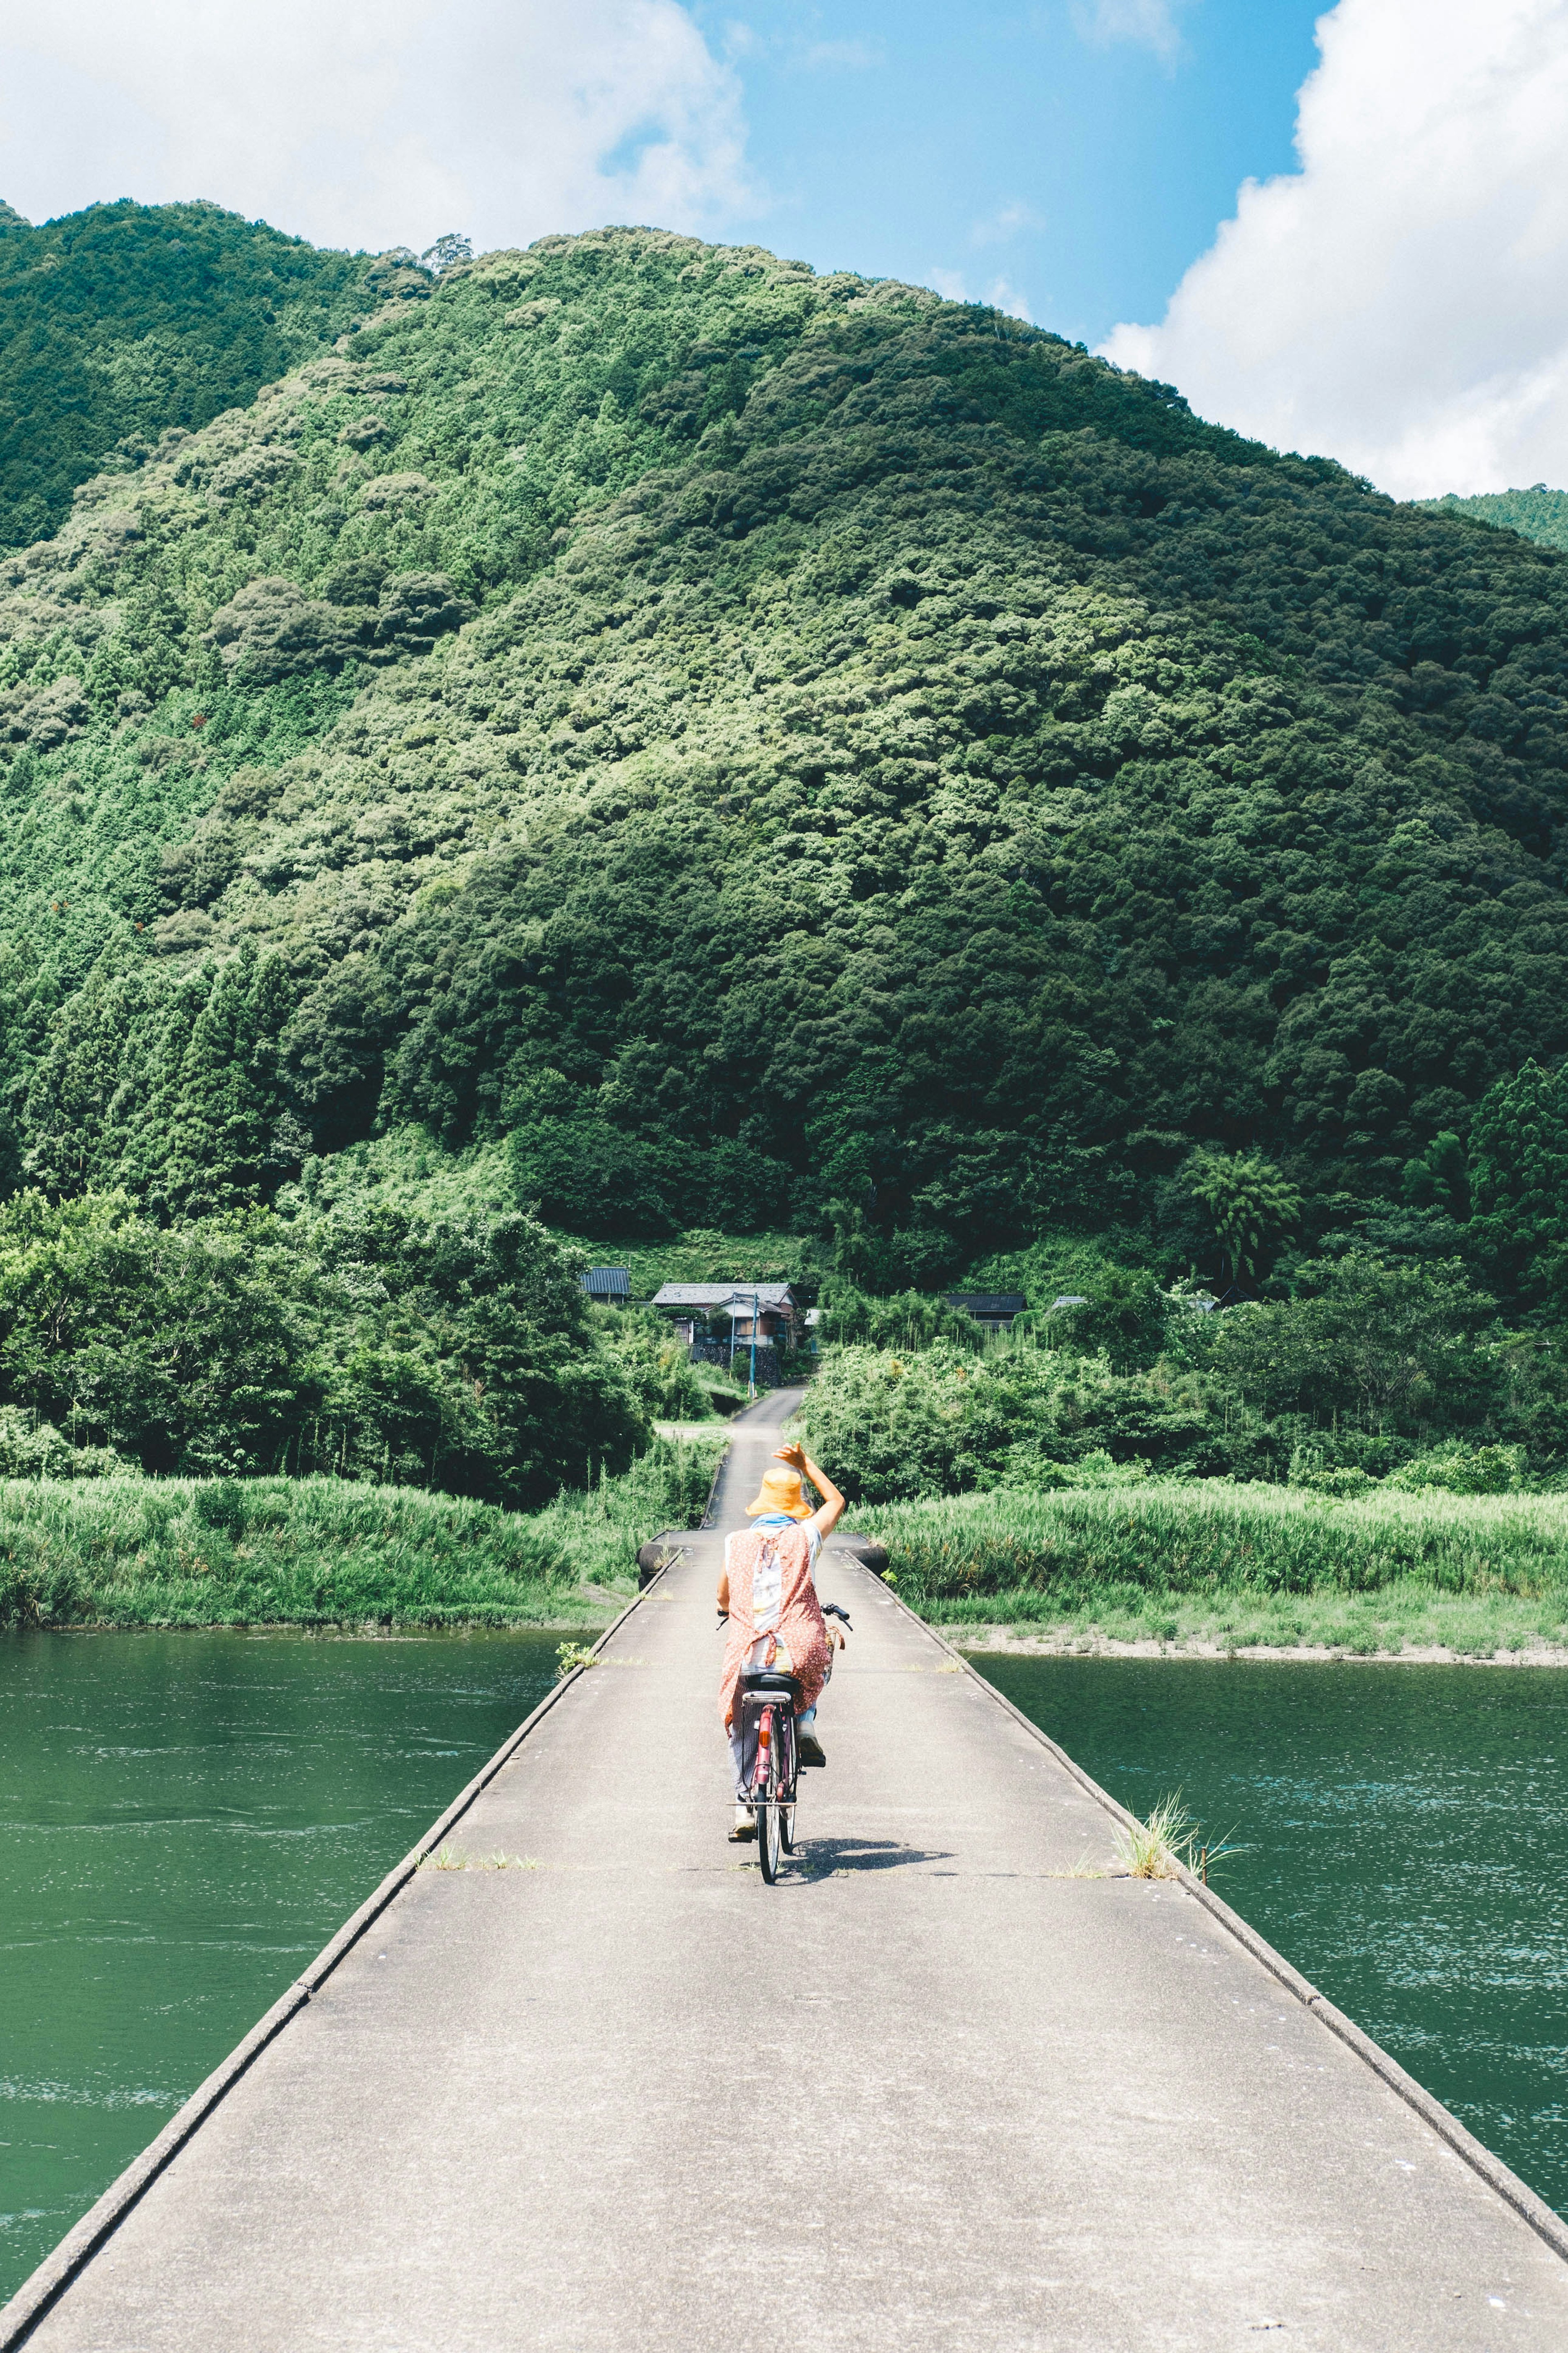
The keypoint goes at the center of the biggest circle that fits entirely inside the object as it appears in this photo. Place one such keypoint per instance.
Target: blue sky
(1082, 170)
(1338, 225)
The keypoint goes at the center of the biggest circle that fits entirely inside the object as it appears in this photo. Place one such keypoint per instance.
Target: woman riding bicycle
(768, 1591)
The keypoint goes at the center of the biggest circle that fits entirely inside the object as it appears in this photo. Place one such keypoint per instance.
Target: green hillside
(126, 321)
(1538, 513)
(758, 741)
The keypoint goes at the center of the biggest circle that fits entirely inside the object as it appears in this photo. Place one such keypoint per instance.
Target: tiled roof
(719, 1294)
(607, 1283)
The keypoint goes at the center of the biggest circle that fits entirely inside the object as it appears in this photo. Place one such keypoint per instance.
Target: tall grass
(133, 1551)
(1240, 1565)
(599, 1529)
(1211, 1536)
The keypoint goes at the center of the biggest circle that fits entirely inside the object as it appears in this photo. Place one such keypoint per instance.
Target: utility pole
(751, 1385)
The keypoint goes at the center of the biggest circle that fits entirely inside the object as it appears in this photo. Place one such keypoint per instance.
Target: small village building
(993, 1311)
(772, 1305)
(611, 1286)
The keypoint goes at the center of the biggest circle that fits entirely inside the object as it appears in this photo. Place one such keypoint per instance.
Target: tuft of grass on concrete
(1154, 1849)
(452, 1858)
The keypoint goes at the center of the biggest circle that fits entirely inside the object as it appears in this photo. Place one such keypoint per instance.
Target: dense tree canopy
(125, 321)
(454, 1353)
(770, 744)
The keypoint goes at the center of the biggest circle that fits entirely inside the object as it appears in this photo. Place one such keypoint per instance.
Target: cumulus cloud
(360, 124)
(1400, 302)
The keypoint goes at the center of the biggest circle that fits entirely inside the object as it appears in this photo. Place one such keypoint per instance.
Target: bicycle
(770, 1759)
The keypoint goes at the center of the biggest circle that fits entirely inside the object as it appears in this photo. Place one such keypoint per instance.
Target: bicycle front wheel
(786, 1829)
(769, 1839)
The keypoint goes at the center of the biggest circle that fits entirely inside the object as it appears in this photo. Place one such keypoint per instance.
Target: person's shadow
(819, 1856)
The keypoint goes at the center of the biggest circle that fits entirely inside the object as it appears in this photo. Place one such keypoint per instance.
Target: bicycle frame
(775, 1771)
(771, 1779)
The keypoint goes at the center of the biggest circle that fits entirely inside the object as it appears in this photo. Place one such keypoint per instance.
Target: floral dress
(794, 1625)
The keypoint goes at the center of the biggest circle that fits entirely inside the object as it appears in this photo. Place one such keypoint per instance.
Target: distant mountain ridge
(1537, 513)
(760, 741)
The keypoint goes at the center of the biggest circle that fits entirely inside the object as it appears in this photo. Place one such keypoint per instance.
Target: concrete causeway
(934, 2091)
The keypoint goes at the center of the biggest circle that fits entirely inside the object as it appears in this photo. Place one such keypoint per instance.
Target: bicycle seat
(763, 1680)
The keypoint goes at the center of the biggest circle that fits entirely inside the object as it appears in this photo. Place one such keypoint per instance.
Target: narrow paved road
(934, 2091)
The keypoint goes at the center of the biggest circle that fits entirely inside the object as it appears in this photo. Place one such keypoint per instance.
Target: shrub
(1462, 1469)
(891, 1425)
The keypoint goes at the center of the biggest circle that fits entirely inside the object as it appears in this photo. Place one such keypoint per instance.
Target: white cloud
(1150, 23)
(373, 124)
(1001, 295)
(1401, 302)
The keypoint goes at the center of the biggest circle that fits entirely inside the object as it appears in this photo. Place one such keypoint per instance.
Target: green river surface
(1405, 1830)
(184, 1820)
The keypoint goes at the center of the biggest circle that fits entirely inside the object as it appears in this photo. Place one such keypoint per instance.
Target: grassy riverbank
(133, 1551)
(1214, 1562)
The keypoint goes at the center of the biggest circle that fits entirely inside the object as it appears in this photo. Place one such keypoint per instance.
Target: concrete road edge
(43, 2287)
(1543, 2220)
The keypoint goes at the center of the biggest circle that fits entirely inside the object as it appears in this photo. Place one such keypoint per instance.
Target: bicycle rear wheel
(769, 1838)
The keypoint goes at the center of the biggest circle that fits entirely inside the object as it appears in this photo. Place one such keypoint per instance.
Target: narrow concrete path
(933, 2091)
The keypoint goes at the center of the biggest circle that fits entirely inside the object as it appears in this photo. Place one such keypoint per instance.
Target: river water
(184, 1820)
(1405, 1830)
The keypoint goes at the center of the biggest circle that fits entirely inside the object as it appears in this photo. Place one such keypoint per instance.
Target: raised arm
(830, 1511)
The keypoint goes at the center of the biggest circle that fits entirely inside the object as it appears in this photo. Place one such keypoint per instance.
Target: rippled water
(1406, 1829)
(184, 1820)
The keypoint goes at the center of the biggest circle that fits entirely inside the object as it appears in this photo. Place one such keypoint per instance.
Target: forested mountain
(1537, 513)
(762, 741)
(124, 320)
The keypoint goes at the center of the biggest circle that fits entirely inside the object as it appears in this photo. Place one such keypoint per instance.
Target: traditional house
(773, 1306)
(610, 1286)
(993, 1310)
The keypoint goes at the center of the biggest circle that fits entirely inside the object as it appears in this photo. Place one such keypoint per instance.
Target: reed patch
(129, 1550)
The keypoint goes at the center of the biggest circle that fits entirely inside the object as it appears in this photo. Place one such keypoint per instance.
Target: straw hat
(780, 1492)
